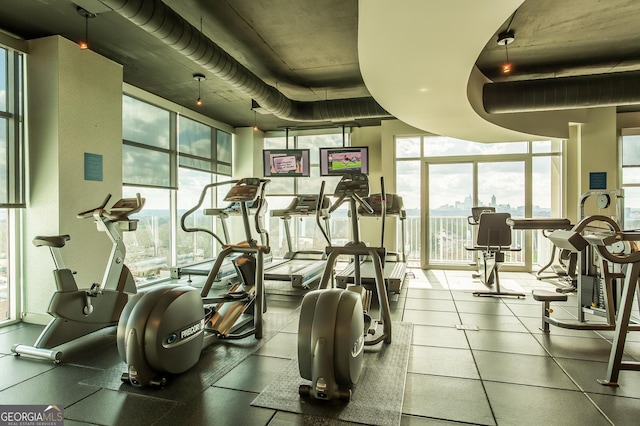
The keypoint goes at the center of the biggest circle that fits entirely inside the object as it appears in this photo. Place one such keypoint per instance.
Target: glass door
(453, 188)
(450, 198)
(501, 184)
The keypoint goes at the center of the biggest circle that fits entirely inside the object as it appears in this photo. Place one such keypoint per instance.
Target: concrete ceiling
(309, 51)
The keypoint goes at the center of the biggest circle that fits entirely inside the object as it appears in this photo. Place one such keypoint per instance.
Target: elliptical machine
(163, 331)
(334, 323)
(78, 312)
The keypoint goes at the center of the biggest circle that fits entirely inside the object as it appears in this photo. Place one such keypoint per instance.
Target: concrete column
(247, 154)
(75, 108)
(598, 152)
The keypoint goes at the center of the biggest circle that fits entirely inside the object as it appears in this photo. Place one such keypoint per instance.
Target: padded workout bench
(547, 297)
(546, 225)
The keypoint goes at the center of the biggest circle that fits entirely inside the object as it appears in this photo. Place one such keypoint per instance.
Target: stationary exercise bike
(78, 312)
(334, 323)
(163, 331)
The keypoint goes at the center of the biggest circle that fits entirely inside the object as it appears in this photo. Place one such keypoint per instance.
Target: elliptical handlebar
(383, 208)
(319, 206)
(363, 203)
(262, 202)
(338, 202)
(203, 194)
(241, 197)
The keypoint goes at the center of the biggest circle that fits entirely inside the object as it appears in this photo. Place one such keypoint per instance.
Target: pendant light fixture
(84, 44)
(199, 77)
(505, 39)
(254, 107)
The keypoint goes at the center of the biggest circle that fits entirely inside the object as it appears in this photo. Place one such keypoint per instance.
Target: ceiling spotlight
(505, 39)
(84, 44)
(199, 77)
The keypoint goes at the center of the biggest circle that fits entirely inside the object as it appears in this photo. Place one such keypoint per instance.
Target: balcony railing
(449, 235)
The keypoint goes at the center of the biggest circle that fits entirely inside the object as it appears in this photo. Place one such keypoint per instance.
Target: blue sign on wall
(598, 180)
(92, 167)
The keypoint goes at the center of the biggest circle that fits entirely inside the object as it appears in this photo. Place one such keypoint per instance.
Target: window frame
(218, 170)
(282, 199)
(533, 151)
(13, 113)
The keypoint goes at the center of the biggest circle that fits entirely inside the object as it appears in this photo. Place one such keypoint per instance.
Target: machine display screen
(286, 162)
(341, 161)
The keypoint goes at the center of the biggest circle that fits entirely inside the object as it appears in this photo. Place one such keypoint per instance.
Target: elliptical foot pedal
(304, 391)
(159, 383)
(344, 395)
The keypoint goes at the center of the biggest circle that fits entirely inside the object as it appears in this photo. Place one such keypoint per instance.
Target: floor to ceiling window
(630, 165)
(451, 176)
(169, 158)
(281, 190)
(12, 177)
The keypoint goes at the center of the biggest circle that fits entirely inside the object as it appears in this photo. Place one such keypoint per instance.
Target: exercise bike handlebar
(203, 194)
(120, 211)
(89, 213)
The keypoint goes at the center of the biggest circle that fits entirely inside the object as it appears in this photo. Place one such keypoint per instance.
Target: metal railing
(447, 238)
(449, 235)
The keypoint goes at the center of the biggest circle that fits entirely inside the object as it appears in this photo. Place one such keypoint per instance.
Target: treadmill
(395, 263)
(227, 273)
(304, 267)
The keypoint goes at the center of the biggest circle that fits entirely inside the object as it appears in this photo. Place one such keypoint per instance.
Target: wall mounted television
(342, 161)
(286, 162)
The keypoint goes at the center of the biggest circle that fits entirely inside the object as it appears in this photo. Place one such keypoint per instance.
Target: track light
(84, 44)
(199, 77)
(505, 39)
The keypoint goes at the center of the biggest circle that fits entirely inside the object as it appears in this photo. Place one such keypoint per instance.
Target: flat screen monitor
(286, 162)
(342, 161)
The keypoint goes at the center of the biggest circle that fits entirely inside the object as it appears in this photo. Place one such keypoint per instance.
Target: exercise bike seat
(51, 241)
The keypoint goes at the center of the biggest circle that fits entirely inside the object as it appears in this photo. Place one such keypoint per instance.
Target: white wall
(74, 107)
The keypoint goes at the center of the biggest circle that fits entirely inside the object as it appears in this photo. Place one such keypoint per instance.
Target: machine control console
(353, 184)
(245, 190)
(394, 205)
